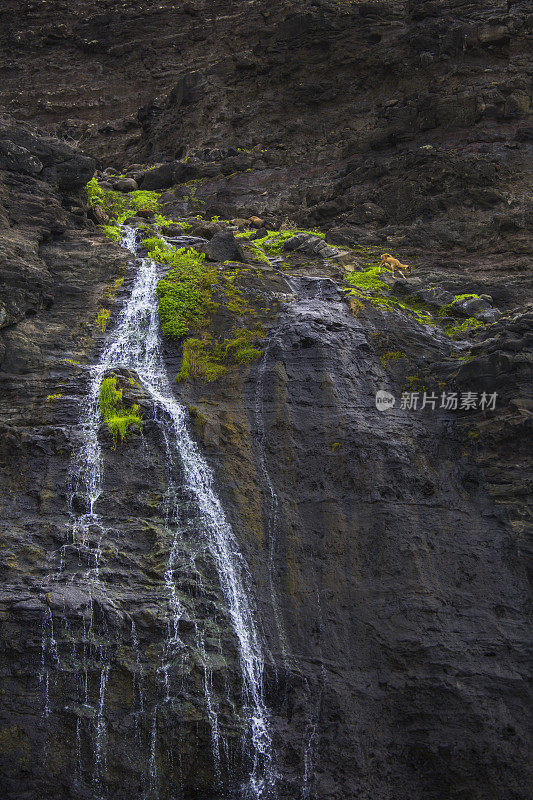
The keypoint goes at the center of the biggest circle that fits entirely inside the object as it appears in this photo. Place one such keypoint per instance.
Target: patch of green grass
(208, 359)
(103, 318)
(119, 420)
(119, 206)
(391, 356)
(184, 295)
(201, 359)
(461, 330)
(368, 280)
(113, 232)
(257, 253)
(273, 242)
(369, 288)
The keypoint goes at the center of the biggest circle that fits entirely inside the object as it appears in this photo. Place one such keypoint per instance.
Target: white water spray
(135, 344)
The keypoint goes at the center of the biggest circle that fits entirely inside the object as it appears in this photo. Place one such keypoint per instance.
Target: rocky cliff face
(386, 551)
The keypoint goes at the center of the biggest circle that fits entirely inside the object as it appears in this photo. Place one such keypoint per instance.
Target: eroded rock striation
(384, 553)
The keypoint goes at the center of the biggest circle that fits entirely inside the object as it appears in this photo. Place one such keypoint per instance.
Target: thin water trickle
(272, 501)
(135, 344)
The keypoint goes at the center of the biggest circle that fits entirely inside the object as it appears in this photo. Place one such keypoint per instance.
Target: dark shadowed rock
(161, 177)
(205, 229)
(224, 247)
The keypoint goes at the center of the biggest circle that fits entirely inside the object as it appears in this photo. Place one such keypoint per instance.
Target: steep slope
(384, 553)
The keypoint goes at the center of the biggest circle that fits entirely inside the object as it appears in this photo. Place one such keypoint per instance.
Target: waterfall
(135, 344)
(271, 501)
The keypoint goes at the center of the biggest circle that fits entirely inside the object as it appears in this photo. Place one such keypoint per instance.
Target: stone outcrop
(388, 551)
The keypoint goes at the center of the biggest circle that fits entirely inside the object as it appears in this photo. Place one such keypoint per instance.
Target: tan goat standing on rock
(393, 263)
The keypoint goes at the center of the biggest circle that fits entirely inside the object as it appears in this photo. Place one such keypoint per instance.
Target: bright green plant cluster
(113, 232)
(368, 280)
(461, 330)
(184, 295)
(118, 419)
(119, 206)
(391, 356)
(208, 359)
(369, 288)
(273, 242)
(102, 318)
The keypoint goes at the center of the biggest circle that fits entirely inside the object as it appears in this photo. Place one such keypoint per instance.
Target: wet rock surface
(388, 550)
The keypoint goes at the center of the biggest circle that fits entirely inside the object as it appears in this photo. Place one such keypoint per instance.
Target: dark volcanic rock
(388, 550)
(224, 247)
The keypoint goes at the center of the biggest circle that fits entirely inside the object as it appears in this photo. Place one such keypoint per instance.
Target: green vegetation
(118, 419)
(450, 308)
(461, 330)
(368, 280)
(208, 359)
(103, 318)
(113, 232)
(51, 397)
(369, 288)
(258, 254)
(186, 305)
(272, 243)
(119, 206)
(391, 356)
(184, 295)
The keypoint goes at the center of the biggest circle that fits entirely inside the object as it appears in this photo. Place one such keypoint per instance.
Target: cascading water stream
(272, 501)
(135, 344)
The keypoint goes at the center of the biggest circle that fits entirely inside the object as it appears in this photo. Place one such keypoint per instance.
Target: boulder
(256, 222)
(488, 315)
(18, 159)
(224, 247)
(54, 161)
(145, 213)
(343, 235)
(205, 230)
(310, 245)
(98, 215)
(125, 185)
(260, 233)
(158, 178)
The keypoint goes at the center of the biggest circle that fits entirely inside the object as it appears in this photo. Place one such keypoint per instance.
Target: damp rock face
(384, 553)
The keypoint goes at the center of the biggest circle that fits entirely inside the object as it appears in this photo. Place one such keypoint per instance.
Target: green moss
(164, 222)
(368, 280)
(201, 359)
(257, 253)
(184, 295)
(273, 242)
(390, 356)
(52, 397)
(119, 206)
(450, 308)
(102, 318)
(208, 358)
(119, 420)
(112, 289)
(113, 232)
(461, 330)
